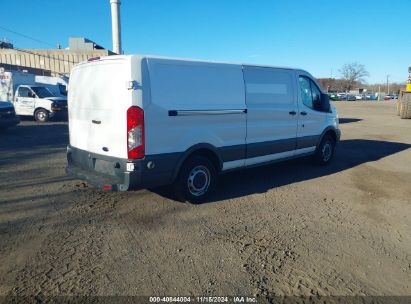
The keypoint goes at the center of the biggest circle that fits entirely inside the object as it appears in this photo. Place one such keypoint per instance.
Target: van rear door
(98, 101)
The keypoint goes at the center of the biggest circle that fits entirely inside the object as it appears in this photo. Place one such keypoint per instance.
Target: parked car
(342, 96)
(364, 97)
(333, 96)
(139, 122)
(8, 117)
(390, 96)
(346, 96)
(367, 96)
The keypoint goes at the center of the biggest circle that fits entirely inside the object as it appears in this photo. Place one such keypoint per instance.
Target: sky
(317, 35)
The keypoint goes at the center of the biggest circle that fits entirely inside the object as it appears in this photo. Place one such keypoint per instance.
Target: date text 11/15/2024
(205, 299)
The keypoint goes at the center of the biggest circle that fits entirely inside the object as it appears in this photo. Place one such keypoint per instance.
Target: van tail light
(135, 133)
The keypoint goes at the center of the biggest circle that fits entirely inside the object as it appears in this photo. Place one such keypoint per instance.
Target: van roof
(142, 56)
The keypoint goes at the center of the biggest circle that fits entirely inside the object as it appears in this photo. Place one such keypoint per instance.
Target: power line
(44, 56)
(25, 36)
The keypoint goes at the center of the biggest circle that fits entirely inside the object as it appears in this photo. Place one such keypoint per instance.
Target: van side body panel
(26, 106)
(198, 94)
(271, 129)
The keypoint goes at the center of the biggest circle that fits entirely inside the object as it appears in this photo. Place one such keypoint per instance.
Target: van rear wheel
(196, 180)
(41, 115)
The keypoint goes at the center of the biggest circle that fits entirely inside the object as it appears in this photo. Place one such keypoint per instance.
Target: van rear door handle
(292, 113)
(303, 113)
(97, 122)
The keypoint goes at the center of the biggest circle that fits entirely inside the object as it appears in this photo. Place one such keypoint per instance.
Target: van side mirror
(317, 102)
(31, 95)
(325, 103)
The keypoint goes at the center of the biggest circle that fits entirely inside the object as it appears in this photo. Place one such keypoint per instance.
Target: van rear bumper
(117, 174)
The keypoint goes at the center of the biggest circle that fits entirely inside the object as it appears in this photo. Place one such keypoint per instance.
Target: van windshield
(42, 92)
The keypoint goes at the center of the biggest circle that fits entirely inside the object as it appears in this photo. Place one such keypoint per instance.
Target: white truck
(39, 96)
(141, 121)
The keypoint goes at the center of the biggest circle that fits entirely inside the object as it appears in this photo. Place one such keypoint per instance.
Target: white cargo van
(143, 121)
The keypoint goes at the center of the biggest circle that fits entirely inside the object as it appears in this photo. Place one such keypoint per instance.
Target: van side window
(24, 92)
(195, 85)
(311, 95)
(62, 89)
(316, 96)
(269, 86)
(305, 92)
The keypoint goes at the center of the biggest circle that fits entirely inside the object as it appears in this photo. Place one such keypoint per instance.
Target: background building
(49, 62)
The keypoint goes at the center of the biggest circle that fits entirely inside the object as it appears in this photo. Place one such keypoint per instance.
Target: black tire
(41, 115)
(196, 180)
(325, 151)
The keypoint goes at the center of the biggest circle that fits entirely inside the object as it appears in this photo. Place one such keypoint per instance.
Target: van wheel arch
(328, 132)
(332, 134)
(205, 150)
(329, 135)
(44, 117)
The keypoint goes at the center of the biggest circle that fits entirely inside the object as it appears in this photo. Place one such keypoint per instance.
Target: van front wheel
(41, 115)
(325, 151)
(196, 180)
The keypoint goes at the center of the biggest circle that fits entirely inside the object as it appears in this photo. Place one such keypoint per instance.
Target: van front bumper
(59, 114)
(117, 174)
(338, 134)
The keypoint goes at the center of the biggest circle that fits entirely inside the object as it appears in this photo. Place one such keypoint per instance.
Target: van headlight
(55, 106)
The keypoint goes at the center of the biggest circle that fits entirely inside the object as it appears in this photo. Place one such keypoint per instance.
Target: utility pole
(388, 85)
(116, 25)
(379, 93)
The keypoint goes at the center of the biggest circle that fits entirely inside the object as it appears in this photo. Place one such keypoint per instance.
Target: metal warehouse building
(50, 62)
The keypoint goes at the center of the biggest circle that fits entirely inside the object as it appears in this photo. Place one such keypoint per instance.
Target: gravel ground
(287, 229)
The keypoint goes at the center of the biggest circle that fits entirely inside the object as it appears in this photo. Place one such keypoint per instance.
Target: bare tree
(353, 73)
(333, 84)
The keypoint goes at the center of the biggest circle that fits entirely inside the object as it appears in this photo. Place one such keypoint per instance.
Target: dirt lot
(285, 229)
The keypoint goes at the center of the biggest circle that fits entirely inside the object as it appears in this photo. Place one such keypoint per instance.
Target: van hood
(6, 105)
(56, 98)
